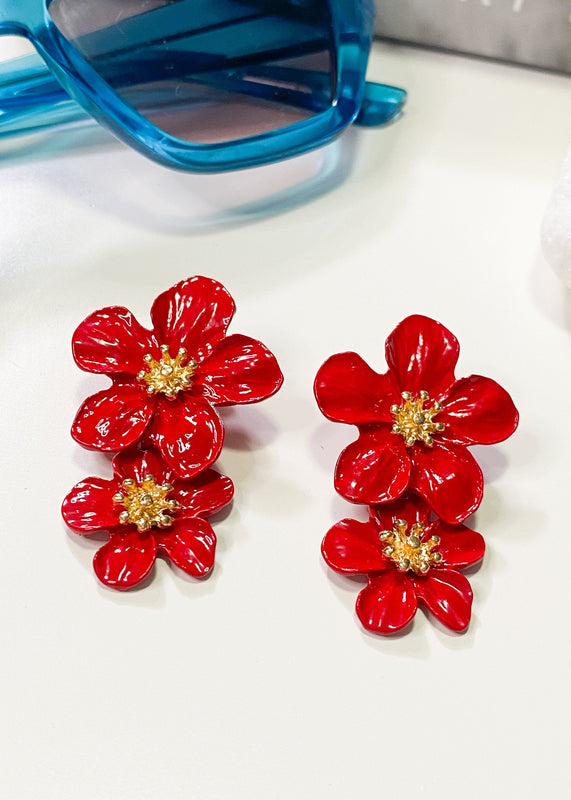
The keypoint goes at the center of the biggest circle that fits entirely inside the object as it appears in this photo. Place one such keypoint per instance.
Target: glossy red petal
(353, 548)
(410, 507)
(449, 478)
(113, 419)
(203, 495)
(240, 370)
(194, 314)
(89, 506)
(125, 560)
(373, 469)
(459, 546)
(112, 341)
(136, 463)
(446, 594)
(387, 604)
(189, 434)
(348, 390)
(478, 411)
(422, 355)
(190, 545)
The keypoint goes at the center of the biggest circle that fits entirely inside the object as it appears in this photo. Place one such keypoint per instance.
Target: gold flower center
(169, 375)
(407, 550)
(145, 504)
(413, 421)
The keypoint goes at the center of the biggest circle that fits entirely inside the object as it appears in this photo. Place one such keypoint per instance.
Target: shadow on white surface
(492, 460)
(328, 440)
(125, 185)
(247, 428)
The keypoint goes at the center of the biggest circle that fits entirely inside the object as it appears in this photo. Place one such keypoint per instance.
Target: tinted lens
(208, 71)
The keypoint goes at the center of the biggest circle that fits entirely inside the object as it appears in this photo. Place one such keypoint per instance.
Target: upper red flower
(148, 511)
(415, 421)
(407, 560)
(166, 381)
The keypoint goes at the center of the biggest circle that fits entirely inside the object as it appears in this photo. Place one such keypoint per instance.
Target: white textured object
(556, 227)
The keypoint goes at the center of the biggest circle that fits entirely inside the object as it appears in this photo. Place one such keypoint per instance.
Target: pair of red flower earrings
(410, 463)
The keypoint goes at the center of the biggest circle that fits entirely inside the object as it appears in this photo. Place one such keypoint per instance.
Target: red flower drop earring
(160, 416)
(415, 423)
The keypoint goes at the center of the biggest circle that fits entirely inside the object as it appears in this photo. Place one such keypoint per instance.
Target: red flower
(166, 381)
(148, 512)
(415, 421)
(407, 560)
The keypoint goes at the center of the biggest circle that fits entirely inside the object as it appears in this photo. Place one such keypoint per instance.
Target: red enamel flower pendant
(415, 421)
(148, 511)
(408, 559)
(167, 381)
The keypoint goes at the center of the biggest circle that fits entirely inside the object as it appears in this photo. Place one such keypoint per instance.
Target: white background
(260, 682)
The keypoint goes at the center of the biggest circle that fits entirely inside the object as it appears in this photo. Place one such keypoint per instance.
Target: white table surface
(260, 682)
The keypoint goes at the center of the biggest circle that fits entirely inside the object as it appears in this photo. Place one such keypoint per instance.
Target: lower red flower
(408, 560)
(148, 512)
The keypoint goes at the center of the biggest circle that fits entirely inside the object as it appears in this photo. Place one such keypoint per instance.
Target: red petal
(188, 433)
(89, 506)
(203, 495)
(136, 463)
(112, 341)
(190, 545)
(373, 469)
(446, 594)
(478, 411)
(449, 478)
(194, 314)
(348, 390)
(460, 546)
(113, 419)
(422, 354)
(240, 370)
(410, 507)
(353, 548)
(125, 560)
(387, 604)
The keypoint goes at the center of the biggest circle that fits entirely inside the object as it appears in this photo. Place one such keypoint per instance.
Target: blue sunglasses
(198, 85)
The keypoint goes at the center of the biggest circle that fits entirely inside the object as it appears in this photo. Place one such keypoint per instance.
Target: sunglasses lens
(208, 71)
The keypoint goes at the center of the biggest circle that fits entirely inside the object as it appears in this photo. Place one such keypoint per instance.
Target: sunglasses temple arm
(381, 104)
(31, 99)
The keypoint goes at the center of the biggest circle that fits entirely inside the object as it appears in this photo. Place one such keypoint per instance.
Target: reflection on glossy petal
(113, 419)
(125, 560)
(353, 548)
(387, 604)
(189, 435)
(240, 370)
(374, 469)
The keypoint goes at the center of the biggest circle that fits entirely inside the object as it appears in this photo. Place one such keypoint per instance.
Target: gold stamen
(145, 504)
(407, 550)
(414, 422)
(169, 375)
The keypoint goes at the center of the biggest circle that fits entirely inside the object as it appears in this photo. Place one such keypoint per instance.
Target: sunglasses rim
(352, 29)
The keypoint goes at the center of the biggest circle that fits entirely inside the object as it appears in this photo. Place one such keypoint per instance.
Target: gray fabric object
(532, 32)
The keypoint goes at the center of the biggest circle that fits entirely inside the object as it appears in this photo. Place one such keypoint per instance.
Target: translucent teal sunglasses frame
(60, 86)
